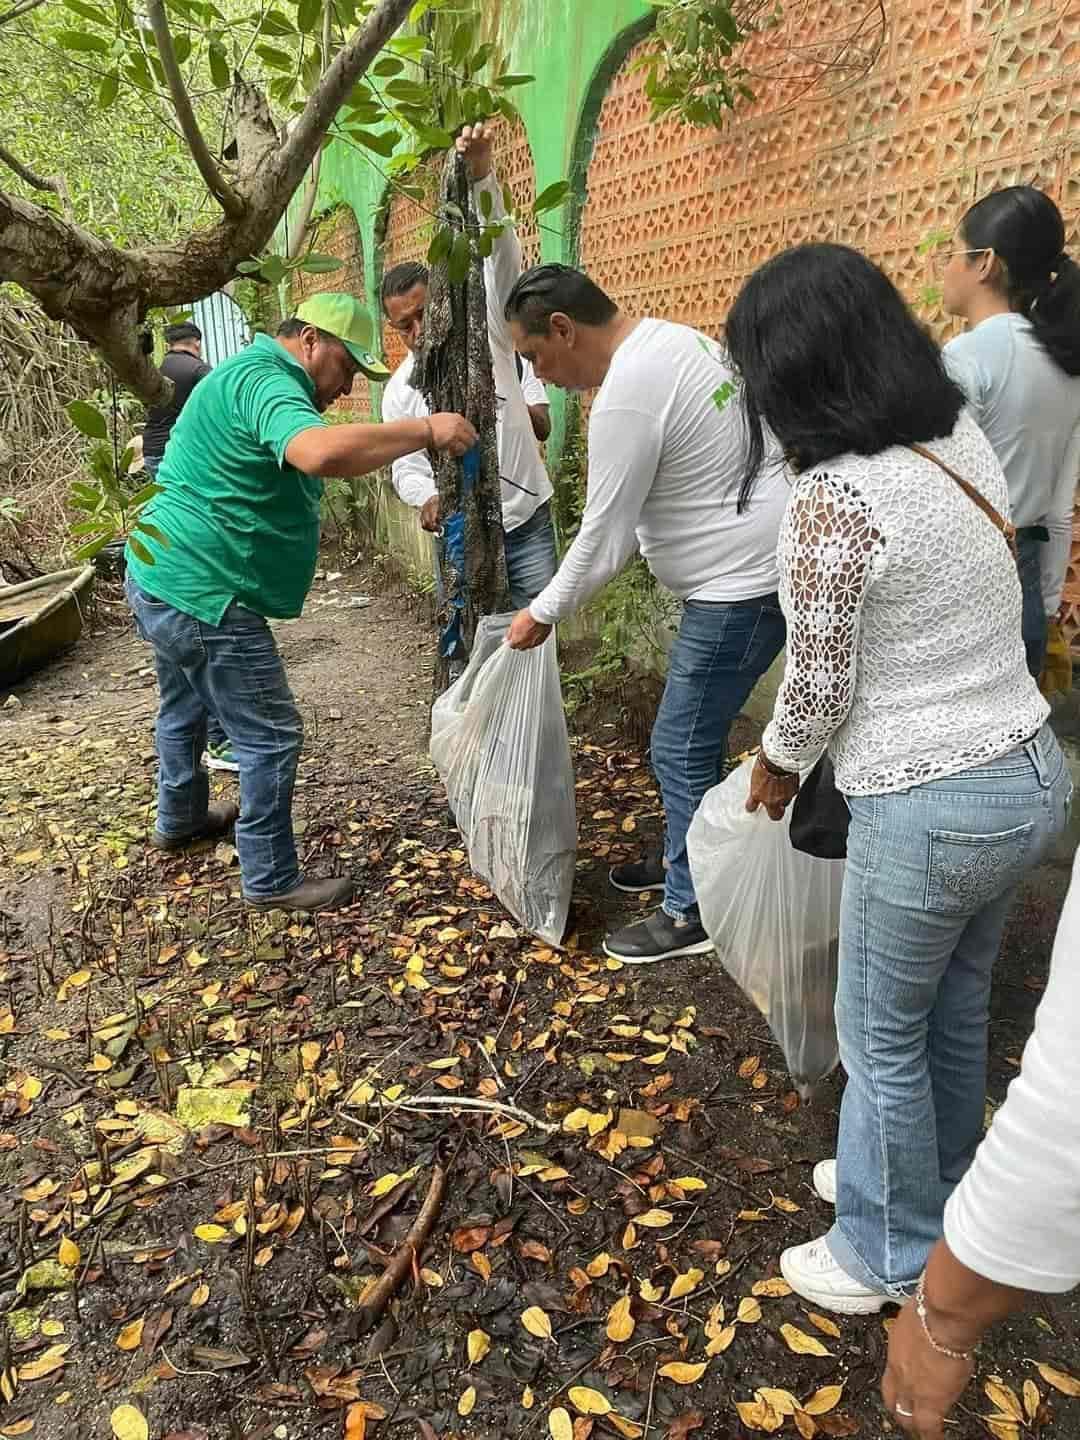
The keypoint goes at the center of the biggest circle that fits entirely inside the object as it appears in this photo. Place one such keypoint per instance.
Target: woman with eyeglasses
(905, 661)
(1018, 363)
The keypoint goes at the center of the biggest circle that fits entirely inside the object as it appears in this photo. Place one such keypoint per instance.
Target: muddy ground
(218, 1261)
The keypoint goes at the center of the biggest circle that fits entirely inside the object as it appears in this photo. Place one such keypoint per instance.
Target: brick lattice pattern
(967, 96)
(337, 234)
(410, 223)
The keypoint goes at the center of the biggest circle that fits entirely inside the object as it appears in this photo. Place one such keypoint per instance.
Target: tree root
(405, 1256)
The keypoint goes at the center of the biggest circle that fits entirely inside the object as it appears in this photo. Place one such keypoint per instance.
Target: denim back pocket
(967, 872)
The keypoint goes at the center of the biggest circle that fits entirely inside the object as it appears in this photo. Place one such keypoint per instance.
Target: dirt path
(223, 1265)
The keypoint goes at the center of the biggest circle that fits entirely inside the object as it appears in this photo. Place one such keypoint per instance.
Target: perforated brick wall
(410, 223)
(337, 234)
(967, 96)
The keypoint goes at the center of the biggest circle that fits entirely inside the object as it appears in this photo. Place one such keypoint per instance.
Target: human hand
(775, 792)
(475, 143)
(429, 514)
(920, 1385)
(452, 432)
(525, 633)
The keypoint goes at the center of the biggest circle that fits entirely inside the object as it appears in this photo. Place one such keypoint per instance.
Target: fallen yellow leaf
(824, 1400)
(560, 1426)
(1004, 1398)
(528, 1399)
(824, 1324)
(772, 1289)
(537, 1322)
(685, 1283)
(588, 1402)
(51, 1359)
(130, 1336)
(654, 1219)
(128, 1423)
(782, 1401)
(477, 1345)
(801, 1343)
(758, 1414)
(467, 1404)
(199, 1296)
(620, 1322)
(749, 1311)
(1002, 1427)
(212, 1234)
(721, 1340)
(1059, 1379)
(1032, 1399)
(598, 1266)
(69, 1253)
(682, 1373)
(690, 1182)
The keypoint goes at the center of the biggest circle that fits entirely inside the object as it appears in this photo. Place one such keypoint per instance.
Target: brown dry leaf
(720, 1342)
(481, 1264)
(18, 1427)
(824, 1400)
(683, 1373)
(801, 1343)
(630, 1428)
(560, 1426)
(654, 1219)
(681, 1426)
(772, 1289)
(128, 1423)
(356, 1422)
(787, 1206)
(587, 1401)
(1059, 1379)
(68, 1254)
(1032, 1399)
(749, 1311)
(620, 1322)
(749, 1067)
(537, 1322)
(1005, 1398)
(477, 1345)
(824, 1324)
(782, 1401)
(467, 1403)
(533, 1250)
(131, 1335)
(469, 1238)
(685, 1283)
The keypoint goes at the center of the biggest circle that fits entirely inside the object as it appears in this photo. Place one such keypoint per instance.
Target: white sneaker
(825, 1181)
(812, 1272)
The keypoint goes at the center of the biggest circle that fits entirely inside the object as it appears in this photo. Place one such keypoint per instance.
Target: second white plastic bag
(499, 741)
(773, 914)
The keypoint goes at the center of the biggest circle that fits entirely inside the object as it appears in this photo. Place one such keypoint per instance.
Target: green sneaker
(221, 757)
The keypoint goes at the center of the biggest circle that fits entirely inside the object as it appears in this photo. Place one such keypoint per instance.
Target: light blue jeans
(232, 670)
(931, 873)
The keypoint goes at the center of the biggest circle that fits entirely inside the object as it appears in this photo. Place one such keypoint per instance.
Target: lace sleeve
(830, 552)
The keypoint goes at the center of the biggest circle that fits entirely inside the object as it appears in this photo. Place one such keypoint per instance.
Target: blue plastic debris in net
(451, 643)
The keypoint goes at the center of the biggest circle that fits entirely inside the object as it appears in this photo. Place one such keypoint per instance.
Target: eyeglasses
(942, 257)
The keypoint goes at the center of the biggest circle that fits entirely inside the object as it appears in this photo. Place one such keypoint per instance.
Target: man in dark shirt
(184, 366)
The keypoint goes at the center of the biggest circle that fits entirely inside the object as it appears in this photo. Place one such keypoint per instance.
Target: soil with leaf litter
(403, 1171)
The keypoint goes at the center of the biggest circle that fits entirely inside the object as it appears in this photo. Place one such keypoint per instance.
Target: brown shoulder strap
(1007, 529)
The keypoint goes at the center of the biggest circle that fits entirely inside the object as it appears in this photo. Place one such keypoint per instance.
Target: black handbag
(820, 816)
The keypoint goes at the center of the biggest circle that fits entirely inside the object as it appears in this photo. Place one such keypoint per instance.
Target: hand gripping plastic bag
(773, 914)
(498, 739)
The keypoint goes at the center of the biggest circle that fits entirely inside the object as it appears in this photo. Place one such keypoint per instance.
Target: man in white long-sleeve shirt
(526, 488)
(665, 449)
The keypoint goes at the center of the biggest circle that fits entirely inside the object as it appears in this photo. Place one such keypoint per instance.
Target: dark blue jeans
(720, 653)
(1029, 553)
(232, 670)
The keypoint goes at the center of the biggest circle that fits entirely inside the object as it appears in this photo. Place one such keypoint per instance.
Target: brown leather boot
(330, 894)
(220, 817)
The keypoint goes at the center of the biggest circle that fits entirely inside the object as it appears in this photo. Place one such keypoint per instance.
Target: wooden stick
(401, 1263)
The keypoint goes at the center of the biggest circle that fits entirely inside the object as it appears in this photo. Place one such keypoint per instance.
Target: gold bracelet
(920, 1309)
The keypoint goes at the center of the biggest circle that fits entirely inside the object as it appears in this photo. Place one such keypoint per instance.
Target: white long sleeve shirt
(666, 444)
(1015, 1216)
(525, 482)
(1029, 409)
(904, 650)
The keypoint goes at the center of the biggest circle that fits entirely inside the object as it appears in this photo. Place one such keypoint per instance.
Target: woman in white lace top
(905, 659)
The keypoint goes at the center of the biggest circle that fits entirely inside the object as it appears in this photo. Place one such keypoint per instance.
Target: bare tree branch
(221, 190)
(32, 178)
(22, 9)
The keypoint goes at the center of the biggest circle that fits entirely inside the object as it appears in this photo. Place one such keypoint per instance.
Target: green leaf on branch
(486, 203)
(83, 40)
(383, 142)
(276, 59)
(219, 66)
(408, 92)
(276, 25)
(457, 266)
(552, 197)
(440, 245)
(108, 89)
(91, 548)
(412, 47)
(313, 264)
(507, 82)
(143, 494)
(388, 66)
(307, 15)
(88, 12)
(153, 532)
(139, 550)
(88, 420)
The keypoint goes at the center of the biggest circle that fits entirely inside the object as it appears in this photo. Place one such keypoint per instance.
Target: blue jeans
(720, 653)
(234, 671)
(930, 877)
(1029, 554)
(215, 735)
(531, 558)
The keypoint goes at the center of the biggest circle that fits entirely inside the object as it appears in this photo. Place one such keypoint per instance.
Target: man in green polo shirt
(234, 538)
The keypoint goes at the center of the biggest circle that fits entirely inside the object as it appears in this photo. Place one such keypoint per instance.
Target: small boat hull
(40, 620)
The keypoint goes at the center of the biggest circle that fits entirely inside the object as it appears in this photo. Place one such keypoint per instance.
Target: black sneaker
(638, 875)
(657, 938)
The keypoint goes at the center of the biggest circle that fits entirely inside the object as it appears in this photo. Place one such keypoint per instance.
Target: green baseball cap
(343, 316)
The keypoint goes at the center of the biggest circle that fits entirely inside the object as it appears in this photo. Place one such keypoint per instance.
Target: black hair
(183, 330)
(549, 289)
(1024, 228)
(832, 360)
(289, 329)
(403, 278)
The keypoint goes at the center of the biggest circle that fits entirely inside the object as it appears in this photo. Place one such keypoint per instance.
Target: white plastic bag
(499, 741)
(773, 914)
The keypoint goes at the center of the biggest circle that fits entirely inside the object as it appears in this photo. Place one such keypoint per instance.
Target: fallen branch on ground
(406, 1255)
